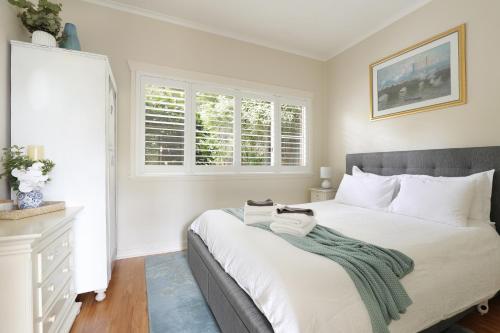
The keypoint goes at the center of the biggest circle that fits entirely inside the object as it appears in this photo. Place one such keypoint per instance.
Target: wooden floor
(125, 307)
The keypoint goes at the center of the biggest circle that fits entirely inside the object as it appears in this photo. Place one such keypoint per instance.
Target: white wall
(474, 124)
(10, 28)
(153, 214)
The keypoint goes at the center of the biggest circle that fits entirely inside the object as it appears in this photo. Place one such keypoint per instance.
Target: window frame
(141, 127)
(211, 169)
(191, 87)
(305, 128)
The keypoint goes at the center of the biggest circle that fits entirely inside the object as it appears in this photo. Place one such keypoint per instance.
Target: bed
(236, 311)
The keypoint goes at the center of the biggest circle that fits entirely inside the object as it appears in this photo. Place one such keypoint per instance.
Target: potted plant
(41, 20)
(25, 176)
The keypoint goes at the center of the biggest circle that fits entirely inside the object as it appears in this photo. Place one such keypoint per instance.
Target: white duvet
(297, 291)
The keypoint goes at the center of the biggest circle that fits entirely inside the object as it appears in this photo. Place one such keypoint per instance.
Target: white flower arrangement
(32, 178)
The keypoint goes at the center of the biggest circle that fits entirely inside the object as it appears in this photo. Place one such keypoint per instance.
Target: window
(256, 132)
(214, 129)
(164, 109)
(292, 135)
(197, 128)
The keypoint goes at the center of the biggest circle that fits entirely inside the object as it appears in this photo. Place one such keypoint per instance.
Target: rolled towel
(267, 202)
(292, 229)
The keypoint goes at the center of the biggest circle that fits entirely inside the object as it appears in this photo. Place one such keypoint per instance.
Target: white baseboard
(148, 250)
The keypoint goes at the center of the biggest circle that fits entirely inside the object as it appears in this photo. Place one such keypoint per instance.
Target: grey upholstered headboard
(453, 162)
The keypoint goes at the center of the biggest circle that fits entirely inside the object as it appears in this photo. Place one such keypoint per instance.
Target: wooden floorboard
(125, 308)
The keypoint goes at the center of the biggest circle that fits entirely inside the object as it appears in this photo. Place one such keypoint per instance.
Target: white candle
(36, 153)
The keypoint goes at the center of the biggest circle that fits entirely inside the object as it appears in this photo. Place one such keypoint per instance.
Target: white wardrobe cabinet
(66, 101)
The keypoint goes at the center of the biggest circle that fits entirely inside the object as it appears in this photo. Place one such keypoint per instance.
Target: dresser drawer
(56, 314)
(52, 285)
(315, 196)
(52, 255)
(322, 194)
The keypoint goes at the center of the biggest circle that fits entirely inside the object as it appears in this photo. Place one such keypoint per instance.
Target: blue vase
(70, 38)
(31, 199)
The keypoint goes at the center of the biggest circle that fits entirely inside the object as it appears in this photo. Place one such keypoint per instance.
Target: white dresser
(66, 101)
(36, 274)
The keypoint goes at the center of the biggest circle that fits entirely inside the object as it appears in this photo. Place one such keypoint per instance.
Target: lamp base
(326, 183)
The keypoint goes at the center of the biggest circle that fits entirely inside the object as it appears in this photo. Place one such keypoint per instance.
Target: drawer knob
(65, 244)
(65, 270)
(50, 257)
(51, 288)
(51, 319)
(66, 296)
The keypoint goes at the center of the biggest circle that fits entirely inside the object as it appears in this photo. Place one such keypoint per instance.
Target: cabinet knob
(65, 270)
(51, 319)
(51, 288)
(65, 244)
(50, 257)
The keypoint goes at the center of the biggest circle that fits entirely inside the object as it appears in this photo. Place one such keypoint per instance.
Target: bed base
(233, 309)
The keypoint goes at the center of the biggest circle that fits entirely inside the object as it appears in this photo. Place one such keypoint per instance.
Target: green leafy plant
(15, 158)
(44, 17)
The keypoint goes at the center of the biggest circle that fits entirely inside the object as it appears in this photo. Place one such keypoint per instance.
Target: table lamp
(325, 174)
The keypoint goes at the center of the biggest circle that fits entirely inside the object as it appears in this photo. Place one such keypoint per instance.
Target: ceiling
(318, 29)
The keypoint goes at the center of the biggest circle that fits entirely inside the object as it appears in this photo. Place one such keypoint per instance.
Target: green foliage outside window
(215, 127)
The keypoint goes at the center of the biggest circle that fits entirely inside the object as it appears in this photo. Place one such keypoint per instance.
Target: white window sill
(220, 176)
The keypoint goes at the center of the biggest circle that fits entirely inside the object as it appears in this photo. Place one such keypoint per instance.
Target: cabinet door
(111, 175)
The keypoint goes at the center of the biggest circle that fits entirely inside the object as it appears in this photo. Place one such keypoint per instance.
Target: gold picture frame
(427, 88)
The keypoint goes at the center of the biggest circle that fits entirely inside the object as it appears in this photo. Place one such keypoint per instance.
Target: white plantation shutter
(164, 116)
(292, 123)
(214, 134)
(256, 132)
(185, 127)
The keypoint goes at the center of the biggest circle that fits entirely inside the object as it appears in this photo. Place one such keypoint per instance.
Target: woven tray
(46, 207)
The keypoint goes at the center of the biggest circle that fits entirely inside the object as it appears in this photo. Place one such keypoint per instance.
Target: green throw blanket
(374, 270)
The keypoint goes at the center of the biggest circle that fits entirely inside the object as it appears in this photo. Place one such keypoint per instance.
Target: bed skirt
(233, 309)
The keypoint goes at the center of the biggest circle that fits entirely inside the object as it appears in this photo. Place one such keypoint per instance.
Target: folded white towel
(293, 218)
(292, 223)
(292, 229)
(255, 214)
(252, 219)
(259, 210)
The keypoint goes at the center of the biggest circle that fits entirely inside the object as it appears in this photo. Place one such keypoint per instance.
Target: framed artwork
(427, 76)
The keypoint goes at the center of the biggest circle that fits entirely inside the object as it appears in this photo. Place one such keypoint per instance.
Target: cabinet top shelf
(36, 226)
(16, 43)
(58, 49)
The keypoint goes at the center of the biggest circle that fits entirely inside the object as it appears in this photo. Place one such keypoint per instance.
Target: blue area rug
(175, 303)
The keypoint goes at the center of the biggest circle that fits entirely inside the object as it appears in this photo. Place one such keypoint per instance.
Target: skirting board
(149, 249)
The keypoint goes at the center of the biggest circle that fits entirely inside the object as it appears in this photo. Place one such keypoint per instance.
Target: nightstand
(321, 194)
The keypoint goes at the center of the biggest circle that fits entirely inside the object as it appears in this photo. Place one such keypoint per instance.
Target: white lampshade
(325, 172)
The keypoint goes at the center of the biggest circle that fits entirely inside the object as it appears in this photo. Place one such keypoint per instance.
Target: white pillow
(481, 203)
(434, 199)
(357, 172)
(368, 192)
